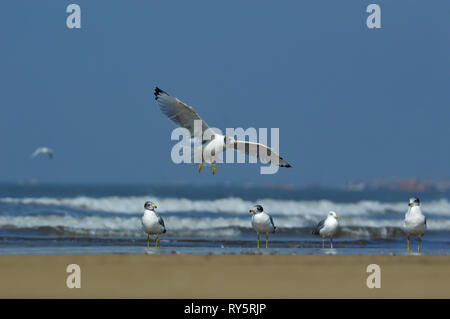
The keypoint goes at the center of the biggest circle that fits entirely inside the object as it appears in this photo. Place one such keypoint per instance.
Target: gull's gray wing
(36, 153)
(161, 221)
(271, 221)
(261, 152)
(43, 150)
(319, 226)
(178, 112)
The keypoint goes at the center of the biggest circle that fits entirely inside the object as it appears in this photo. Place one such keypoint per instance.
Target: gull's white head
(149, 205)
(229, 141)
(414, 201)
(333, 215)
(257, 209)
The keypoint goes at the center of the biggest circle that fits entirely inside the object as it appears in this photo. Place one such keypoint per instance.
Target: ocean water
(50, 219)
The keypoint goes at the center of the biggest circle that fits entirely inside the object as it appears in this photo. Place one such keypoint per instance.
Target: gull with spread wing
(43, 150)
(185, 116)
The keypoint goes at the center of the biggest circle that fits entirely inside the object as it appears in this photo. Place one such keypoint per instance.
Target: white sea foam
(96, 225)
(231, 215)
(232, 205)
(178, 224)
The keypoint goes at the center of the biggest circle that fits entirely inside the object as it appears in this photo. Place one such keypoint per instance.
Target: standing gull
(184, 116)
(327, 228)
(262, 223)
(152, 223)
(43, 150)
(415, 221)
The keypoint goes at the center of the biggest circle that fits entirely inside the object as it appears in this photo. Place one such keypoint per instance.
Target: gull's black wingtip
(285, 164)
(158, 92)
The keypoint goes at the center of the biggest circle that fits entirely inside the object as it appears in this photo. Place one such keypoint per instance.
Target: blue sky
(351, 103)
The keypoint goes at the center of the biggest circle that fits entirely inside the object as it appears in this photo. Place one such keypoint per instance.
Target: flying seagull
(327, 228)
(43, 150)
(152, 223)
(262, 223)
(415, 221)
(184, 116)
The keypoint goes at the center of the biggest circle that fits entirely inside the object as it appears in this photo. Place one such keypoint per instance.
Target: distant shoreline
(406, 185)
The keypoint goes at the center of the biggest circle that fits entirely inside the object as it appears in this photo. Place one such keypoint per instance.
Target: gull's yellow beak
(235, 142)
(409, 204)
(154, 206)
(336, 217)
(252, 211)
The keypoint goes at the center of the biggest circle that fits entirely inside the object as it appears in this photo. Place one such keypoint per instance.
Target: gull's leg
(214, 167)
(148, 240)
(418, 244)
(331, 243)
(157, 240)
(323, 243)
(258, 241)
(407, 238)
(267, 241)
(201, 165)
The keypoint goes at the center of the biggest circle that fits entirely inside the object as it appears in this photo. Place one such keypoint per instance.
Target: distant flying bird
(415, 222)
(327, 228)
(43, 150)
(184, 116)
(152, 223)
(262, 223)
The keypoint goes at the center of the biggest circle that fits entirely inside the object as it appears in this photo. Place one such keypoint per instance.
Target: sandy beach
(224, 276)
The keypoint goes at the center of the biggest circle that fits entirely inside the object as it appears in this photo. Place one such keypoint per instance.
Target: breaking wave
(231, 205)
(227, 217)
(195, 226)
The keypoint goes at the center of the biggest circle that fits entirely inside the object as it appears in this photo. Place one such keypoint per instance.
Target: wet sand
(224, 276)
